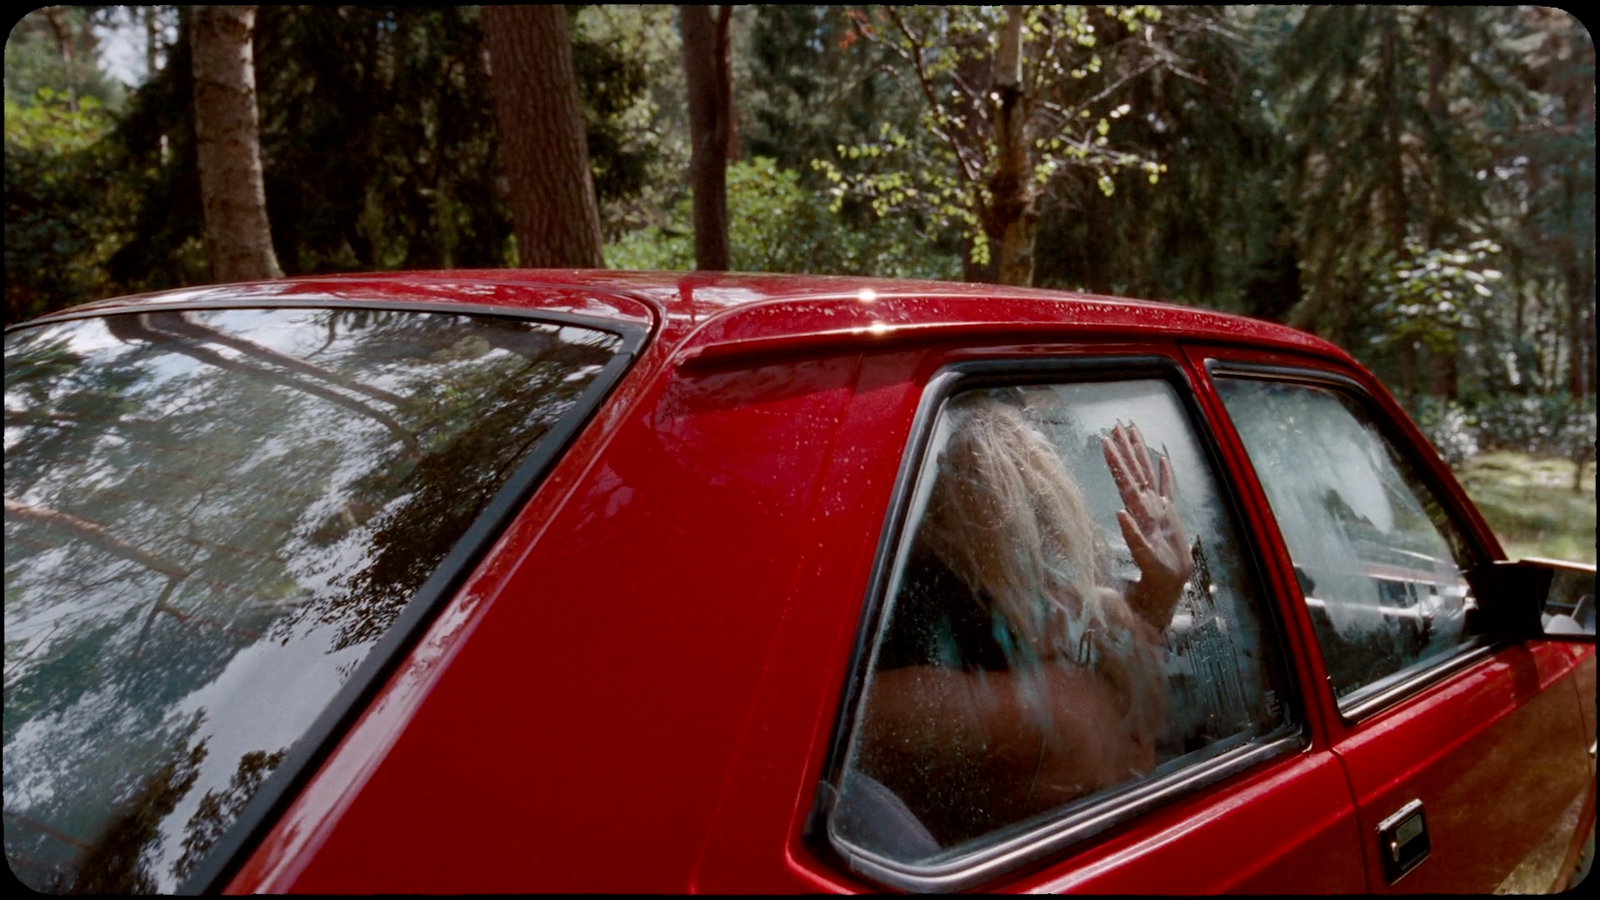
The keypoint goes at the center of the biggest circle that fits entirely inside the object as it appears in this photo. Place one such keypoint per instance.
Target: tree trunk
(1408, 378)
(1389, 87)
(1521, 295)
(152, 41)
(1440, 61)
(708, 72)
(1319, 300)
(1013, 219)
(1580, 295)
(233, 197)
(542, 139)
(1579, 275)
(61, 30)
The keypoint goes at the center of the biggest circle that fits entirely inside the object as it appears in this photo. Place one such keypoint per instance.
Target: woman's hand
(1150, 525)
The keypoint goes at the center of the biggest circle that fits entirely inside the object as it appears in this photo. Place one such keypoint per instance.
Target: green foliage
(1430, 296)
(813, 85)
(48, 125)
(1389, 115)
(1438, 127)
(629, 81)
(1449, 428)
(1537, 506)
(60, 228)
(666, 247)
(377, 138)
(776, 225)
(1550, 425)
(35, 58)
(945, 169)
(1214, 231)
(1309, 153)
(379, 151)
(896, 178)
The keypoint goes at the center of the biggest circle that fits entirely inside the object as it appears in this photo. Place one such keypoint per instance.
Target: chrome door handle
(1403, 841)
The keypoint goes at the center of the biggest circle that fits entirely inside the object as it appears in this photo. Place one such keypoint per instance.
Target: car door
(1466, 754)
(1246, 794)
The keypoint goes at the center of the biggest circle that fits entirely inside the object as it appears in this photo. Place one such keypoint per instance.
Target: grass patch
(1530, 504)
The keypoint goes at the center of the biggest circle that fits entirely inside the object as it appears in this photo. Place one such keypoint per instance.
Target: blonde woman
(1015, 675)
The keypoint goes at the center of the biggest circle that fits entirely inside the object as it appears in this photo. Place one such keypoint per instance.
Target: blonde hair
(1010, 521)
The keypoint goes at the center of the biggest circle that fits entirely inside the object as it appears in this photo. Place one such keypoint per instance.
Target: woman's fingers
(1150, 522)
(1141, 455)
(1116, 462)
(1125, 470)
(1129, 461)
(1143, 556)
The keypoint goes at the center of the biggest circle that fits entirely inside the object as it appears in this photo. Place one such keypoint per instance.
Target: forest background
(1416, 184)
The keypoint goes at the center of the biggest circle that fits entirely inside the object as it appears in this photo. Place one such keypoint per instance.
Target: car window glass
(1377, 559)
(211, 517)
(1069, 616)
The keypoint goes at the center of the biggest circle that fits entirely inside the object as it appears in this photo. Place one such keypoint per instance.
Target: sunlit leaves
(1432, 294)
(65, 198)
(1073, 81)
(777, 225)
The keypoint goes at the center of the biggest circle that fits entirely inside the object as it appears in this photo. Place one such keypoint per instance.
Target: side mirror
(1535, 598)
(1569, 603)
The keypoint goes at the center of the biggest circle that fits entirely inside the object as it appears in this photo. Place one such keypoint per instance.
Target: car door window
(1070, 620)
(1378, 561)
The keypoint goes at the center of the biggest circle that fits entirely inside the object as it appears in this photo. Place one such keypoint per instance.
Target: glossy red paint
(636, 688)
(1497, 742)
(1287, 828)
(609, 677)
(1494, 744)
(745, 315)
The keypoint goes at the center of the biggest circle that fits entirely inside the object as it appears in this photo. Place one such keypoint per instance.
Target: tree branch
(93, 534)
(968, 174)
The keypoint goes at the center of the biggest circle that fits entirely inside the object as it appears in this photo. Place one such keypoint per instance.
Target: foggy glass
(905, 796)
(210, 519)
(1377, 559)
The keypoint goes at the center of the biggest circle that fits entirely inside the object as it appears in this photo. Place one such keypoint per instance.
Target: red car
(545, 581)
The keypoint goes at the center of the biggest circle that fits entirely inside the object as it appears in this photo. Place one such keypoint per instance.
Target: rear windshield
(211, 519)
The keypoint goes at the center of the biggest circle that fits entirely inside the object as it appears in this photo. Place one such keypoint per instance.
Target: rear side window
(1070, 620)
(211, 520)
(1378, 560)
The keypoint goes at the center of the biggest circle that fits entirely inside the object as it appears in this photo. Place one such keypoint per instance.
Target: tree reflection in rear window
(211, 517)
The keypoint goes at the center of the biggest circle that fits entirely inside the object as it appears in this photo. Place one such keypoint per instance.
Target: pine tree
(542, 137)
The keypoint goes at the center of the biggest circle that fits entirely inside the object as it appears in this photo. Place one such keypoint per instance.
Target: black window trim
(279, 789)
(1422, 676)
(1075, 823)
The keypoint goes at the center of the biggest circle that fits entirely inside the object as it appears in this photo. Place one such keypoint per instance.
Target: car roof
(705, 316)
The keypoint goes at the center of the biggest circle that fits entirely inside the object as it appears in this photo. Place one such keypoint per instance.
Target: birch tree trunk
(232, 195)
(708, 73)
(542, 140)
